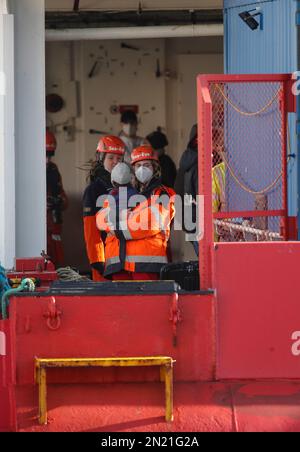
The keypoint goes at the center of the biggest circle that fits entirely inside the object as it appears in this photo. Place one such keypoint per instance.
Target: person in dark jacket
(187, 177)
(57, 202)
(159, 141)
(110, 152)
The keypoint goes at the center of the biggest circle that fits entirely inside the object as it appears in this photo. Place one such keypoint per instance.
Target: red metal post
(205, 179)
(205, 161)
(283, 105)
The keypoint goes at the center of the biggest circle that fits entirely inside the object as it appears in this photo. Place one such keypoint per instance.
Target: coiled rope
(263, 234)
(68, 274)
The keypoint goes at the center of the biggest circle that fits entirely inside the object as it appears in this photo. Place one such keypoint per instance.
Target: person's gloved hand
(99, 266)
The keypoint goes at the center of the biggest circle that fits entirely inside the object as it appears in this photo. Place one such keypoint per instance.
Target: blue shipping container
(270, 48)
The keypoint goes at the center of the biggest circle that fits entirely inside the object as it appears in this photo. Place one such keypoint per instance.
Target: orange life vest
(140, 242)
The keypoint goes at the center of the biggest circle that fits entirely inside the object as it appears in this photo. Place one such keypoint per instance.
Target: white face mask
(144, 174)
(130, 129)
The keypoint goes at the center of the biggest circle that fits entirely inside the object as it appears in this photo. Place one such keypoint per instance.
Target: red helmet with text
(111, 145)
(143, 153)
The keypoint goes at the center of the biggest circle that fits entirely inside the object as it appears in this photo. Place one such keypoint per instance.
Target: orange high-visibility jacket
(139, 242)
(93, 239)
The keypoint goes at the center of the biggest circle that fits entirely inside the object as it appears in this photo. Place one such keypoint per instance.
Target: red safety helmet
(50, 142)
(111, 144)
(143, 153)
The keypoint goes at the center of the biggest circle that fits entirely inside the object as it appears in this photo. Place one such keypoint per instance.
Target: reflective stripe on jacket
(140, 242)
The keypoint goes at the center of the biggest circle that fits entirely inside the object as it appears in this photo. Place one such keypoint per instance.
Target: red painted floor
(198, 407)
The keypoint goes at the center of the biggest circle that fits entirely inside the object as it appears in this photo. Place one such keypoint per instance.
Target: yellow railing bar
(166, 375)
(104, 362)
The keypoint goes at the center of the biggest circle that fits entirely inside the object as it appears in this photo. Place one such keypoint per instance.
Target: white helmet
(121, 174)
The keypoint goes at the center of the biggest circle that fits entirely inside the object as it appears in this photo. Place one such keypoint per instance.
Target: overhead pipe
(166, 31)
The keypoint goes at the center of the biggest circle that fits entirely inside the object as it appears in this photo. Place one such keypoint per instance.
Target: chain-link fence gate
(243, 144)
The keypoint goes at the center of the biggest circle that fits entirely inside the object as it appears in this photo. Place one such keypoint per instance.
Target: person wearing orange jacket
(110, 151)
(136, 247)
(57, 201)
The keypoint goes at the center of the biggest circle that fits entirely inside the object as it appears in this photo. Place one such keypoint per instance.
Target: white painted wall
(179, 121)
(30, 126)
(186, 58)
(122, 77)
(7, 149)
(118, 82)
(64, 66)
(189, 66)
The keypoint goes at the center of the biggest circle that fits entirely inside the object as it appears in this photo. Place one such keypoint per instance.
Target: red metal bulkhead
(258, 310)
(140, 325)
(108, 326)
(255, 335)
